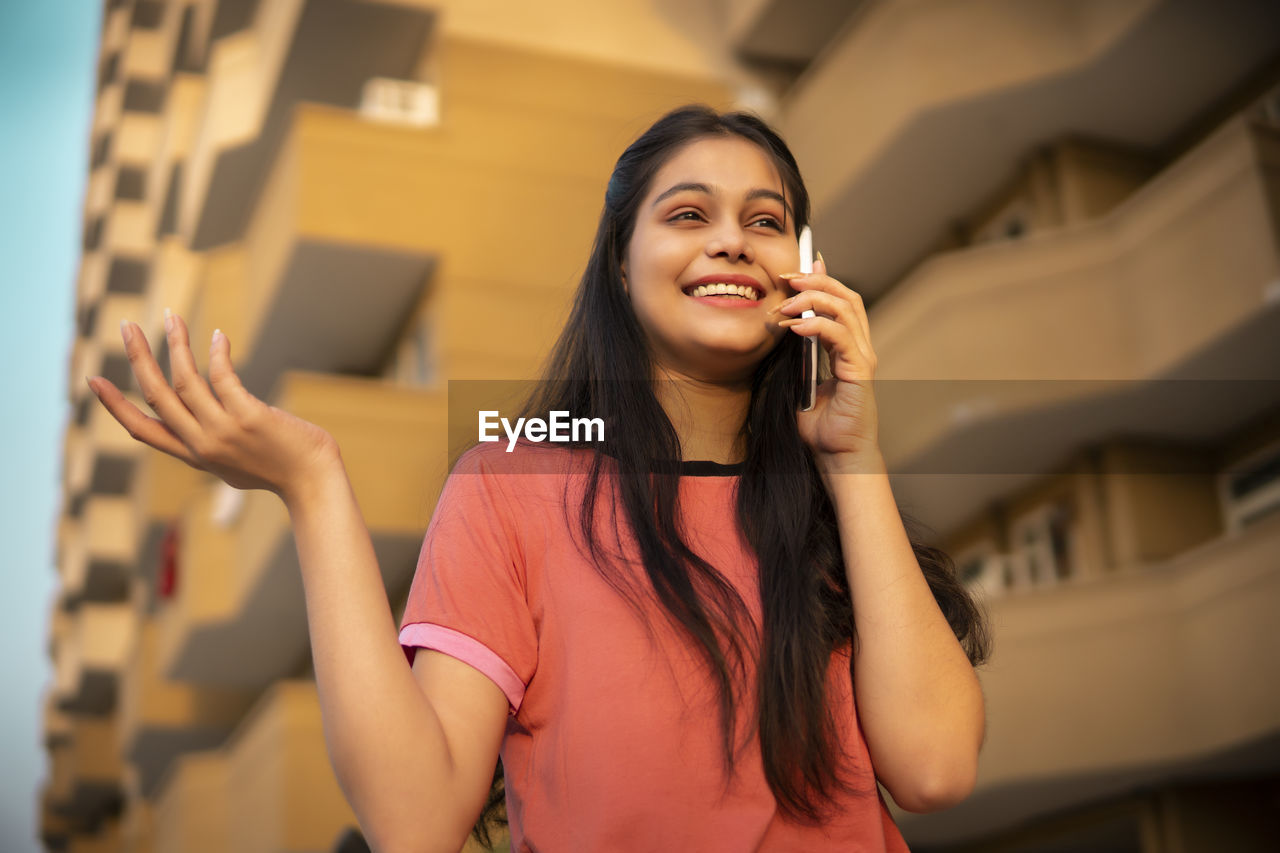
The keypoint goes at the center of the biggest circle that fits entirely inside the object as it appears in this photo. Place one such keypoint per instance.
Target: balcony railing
(1104, 685)
(162, 719)
(901, 132)
(1166, 298)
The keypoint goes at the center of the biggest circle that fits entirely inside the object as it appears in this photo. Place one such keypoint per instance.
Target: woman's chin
(732, 360)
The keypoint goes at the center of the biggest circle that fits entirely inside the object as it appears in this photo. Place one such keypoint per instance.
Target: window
(400, 102)
(1011, 222)
(1043, 546)
(983, 569)
(1252, 490)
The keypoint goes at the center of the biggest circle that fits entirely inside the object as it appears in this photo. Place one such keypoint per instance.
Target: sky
(48, 50)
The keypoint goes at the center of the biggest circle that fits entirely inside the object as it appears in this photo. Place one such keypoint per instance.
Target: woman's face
(715, 219)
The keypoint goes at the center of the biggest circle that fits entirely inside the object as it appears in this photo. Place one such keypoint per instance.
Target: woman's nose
(731, 242)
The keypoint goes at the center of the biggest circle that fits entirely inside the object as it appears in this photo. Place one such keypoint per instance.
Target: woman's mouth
(724, 290)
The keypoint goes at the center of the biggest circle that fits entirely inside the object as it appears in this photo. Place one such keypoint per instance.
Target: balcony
(129, 230)
(192, 812)
(237, 616)
(109, 108)
(789, 33)
(73, 572)
(137, 826)
(90, 287)
(61, 784)
(115, 451)
(162, 488)
(101, 352)
(57, 647)
(115, 30)
(96, 549)
(281, 787)
(161, 720)
(257, 76)
(353, 201)
(1179, 288)
(1116, 683)
(58, 725)
(104, 839)
(270, 788)
(101, 190)
(136, 140)
(55, 828)
(77, 465)
(111, 533)
(303, 257)
(176, 134)
(900, 130)
(146, 55)
(89, 661)
(95, 771)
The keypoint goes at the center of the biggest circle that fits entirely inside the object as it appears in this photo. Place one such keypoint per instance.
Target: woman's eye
(769, 222)
(687, 216)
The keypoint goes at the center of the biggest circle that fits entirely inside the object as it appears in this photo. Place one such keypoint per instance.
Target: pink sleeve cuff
(470, 651)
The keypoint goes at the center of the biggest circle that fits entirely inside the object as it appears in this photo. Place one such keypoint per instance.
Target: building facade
(1063, 216)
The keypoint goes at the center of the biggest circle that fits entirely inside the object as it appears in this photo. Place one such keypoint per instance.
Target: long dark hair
(602, 364)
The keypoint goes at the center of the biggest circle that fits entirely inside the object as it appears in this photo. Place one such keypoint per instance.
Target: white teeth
(723, 289)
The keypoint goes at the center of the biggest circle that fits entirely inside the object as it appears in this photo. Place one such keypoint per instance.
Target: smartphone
(809, 370)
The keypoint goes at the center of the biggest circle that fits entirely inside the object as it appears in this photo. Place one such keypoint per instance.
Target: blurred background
(1064, 216)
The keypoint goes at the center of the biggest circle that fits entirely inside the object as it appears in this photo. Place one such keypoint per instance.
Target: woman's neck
(707, 416)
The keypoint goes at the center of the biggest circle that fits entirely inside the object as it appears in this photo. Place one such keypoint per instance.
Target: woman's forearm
(918, 698)
(385, 739)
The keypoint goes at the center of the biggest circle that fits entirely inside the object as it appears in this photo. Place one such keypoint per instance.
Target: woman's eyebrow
(679, 188)
(770, 194)
(703, 188)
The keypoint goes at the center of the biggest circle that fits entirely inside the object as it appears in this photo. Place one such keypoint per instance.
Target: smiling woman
(708, 629)
(703, 265)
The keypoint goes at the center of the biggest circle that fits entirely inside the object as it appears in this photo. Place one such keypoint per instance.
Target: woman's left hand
(842, 428)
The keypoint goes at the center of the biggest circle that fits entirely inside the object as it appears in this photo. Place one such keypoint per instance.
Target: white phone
(809, 372)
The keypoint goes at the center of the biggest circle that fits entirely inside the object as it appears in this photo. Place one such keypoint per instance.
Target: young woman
(710, 630)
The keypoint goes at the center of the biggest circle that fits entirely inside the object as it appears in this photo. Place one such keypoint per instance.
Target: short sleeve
(468, 597)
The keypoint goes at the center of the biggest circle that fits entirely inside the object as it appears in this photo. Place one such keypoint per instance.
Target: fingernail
(125, 331)
(168, 320)
(790, 275)
(217, 333)
(824, 263)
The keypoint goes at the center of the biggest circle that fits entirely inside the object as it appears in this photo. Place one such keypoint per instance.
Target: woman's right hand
(222, 429)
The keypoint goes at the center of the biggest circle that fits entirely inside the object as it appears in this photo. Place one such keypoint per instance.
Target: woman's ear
(625, 288)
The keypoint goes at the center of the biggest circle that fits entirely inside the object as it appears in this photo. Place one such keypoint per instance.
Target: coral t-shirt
(613, 740)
